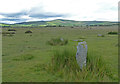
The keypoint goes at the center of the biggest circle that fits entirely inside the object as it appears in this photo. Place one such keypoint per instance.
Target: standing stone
(81, 54)
(61, 39)
(100, 35)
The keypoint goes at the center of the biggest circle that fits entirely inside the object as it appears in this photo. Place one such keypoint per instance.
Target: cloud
(31, 15)
(46, 15)
(18, 14)
(80, 10)
(28, 16)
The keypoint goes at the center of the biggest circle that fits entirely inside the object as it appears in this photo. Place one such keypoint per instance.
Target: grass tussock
(24, 57)
(8, 33)
(81, 37)
(64, 63)
(57, 41)
(11, 30)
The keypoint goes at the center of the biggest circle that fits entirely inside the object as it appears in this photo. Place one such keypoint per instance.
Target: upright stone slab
(61, 39)
(81, 54)
(100, 35)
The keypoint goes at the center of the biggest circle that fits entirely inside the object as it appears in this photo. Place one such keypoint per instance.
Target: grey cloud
(15, 15)
(41, 16)
(36, 12)
(6, 19)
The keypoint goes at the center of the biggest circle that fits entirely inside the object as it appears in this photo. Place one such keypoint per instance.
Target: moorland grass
(37, 69)
(24, 57)
(64, 62)
(57, 41)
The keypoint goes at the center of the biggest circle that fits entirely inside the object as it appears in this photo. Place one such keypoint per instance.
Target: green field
(38, 53)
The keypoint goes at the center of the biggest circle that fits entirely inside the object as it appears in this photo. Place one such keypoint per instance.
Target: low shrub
(11, 30)
(28, 31)
(112, 32)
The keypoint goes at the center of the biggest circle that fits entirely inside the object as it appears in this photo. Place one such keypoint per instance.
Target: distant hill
(61, 22)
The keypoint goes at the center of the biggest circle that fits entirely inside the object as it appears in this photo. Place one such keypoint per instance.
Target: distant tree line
(54, 26)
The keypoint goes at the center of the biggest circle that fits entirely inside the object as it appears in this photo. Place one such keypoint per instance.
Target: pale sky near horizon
(15, 11)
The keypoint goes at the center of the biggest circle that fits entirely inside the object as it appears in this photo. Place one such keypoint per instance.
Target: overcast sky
(15, 11)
